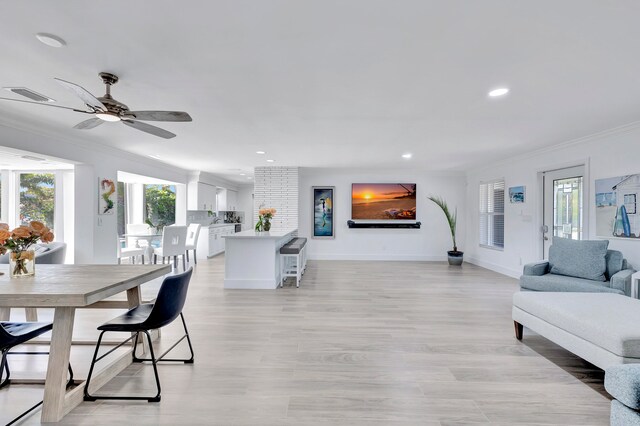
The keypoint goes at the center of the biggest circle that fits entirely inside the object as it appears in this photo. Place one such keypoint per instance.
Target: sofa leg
(519, 328)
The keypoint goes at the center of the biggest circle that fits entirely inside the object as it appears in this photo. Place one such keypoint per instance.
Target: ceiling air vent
(28, 93)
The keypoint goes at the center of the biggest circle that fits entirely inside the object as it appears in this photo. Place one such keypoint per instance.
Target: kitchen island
(252, 259)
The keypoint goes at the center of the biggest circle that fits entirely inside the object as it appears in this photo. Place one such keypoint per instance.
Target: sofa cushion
(550, 282)
(582, 259)
(615, 262)
(623, 383)
(609, 321)
(623, 416)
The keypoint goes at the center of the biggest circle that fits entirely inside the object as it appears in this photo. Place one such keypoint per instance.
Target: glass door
(563, 205)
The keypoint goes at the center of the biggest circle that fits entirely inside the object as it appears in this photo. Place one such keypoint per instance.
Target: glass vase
(266, 226)
(22, 263)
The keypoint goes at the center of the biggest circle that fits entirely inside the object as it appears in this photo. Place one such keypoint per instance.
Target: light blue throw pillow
(583, 259)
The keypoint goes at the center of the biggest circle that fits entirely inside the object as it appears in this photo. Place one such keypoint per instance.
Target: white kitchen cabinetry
(210, 242)
(232, 200)
(206, 197)
(227, 200)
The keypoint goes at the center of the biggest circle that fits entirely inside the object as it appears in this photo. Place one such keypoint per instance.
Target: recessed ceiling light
(407, 155)
(51, 40)
(270, 161)
(243, 174)
(498, 92)
(260, 152)
(156, 156)
(249, 177)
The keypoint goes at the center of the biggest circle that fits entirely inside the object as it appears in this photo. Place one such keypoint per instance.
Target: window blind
(492, 214)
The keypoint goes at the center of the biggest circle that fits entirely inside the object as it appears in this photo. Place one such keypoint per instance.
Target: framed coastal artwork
(616, 207)
(107, 196)
(517, 194)
(323, 209)
(383, 201)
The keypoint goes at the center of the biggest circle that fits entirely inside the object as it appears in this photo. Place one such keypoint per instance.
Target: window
(160, 204)
(37, 198)
(630, 203)
(492, 214)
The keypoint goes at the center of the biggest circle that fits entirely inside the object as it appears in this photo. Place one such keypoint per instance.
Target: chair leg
(142, 258)
(4, 366)
(184, 264)
(185, 336)
(186, 332)
(195, 257)
(155, 259)
(87, 396)
(155, 368)
(187, 253)
(156, 398)
(175, 262)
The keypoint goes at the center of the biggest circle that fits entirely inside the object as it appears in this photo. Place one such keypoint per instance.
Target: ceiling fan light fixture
(107, 116)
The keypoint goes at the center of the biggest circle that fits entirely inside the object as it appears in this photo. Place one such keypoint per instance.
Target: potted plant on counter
(454, 257)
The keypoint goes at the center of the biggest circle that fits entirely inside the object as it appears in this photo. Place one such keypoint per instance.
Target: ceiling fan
(107, 109)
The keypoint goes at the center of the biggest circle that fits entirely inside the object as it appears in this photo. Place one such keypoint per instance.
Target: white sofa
(602, 328)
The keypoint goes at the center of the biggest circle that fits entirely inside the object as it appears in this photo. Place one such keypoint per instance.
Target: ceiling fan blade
(148, 128)
(160, 116)
(88, 124)
(49, 105)
(90, 100)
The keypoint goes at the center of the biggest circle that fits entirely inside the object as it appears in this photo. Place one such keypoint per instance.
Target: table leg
(31, 314)
(134, 298)
(56, 383)
(5, 314)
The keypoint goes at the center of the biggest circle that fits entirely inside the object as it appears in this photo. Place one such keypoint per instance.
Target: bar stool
(292, 260)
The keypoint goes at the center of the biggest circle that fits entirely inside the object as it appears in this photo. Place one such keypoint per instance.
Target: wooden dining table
(66, 288)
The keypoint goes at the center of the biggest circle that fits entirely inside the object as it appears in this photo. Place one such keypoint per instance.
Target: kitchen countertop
(219, 225)
(273, 234)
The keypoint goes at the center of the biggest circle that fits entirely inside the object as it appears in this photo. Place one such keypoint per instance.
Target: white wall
(612, 153)
(277, 187)
(245, 204)
(95, 236)
(430, 242)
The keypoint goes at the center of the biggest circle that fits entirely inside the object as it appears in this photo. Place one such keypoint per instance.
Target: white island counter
(252, 259)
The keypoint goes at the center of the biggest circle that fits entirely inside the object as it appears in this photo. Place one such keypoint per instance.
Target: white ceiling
(14, 159)
(334, 83)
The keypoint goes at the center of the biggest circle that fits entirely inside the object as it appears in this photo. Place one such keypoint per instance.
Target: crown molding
(614, 131)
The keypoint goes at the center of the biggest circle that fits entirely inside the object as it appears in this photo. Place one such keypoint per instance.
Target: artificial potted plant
(454, 256)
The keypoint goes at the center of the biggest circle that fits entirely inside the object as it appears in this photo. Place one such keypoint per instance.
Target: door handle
(546, 238)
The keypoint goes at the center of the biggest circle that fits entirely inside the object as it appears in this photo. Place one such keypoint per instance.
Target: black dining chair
(166, 308)
(13, 334)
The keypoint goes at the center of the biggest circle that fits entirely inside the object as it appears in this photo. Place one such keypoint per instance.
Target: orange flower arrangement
(19, 240)
(267, 213)
(23, 237)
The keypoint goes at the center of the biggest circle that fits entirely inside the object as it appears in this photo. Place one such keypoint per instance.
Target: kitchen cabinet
(227, 200)
(232, 200)
(211, 241)
(206, 197)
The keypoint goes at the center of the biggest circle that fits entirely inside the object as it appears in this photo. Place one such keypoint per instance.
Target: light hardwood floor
(359, 343)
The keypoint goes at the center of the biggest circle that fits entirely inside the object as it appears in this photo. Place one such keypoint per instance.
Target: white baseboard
(250, 284)
(379, 257)
(494, 267)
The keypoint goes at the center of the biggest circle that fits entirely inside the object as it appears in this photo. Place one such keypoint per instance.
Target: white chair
(174, 244)
(130, 252)
(193, 231)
